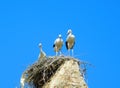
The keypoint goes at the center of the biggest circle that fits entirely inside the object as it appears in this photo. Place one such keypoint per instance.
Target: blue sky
(95, 23)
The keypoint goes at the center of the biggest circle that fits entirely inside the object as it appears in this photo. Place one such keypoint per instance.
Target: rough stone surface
(67, 76)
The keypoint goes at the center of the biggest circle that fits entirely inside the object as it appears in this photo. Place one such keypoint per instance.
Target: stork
(58, 43)
(70, 41)
(42, 54)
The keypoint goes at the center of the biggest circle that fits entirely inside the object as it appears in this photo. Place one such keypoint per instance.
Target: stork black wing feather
(66, 43)
(54, 45)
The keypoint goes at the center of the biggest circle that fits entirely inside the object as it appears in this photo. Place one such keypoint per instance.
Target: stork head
(40, 45)
(59, 36)
(69, 31)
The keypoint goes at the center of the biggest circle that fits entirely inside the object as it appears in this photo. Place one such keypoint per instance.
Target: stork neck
(59, 37)
(40, 48)
(70, 34)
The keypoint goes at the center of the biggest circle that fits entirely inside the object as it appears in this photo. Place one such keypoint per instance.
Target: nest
(40, 72)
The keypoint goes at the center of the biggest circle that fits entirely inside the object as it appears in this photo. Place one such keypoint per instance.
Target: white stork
(42, 54)
(58, 44)
(70, 41)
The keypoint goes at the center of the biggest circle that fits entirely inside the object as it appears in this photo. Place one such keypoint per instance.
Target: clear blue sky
(95, 23)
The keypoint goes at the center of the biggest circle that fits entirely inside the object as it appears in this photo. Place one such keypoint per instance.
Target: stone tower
(56, 72)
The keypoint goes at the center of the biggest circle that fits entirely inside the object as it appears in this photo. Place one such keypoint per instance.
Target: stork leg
(60, 53)
(69, 52)
(72, 53)
(56, 53)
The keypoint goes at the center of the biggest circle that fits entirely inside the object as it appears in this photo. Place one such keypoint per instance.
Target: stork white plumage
(58, 43)
(70, 41)
(42, 54)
